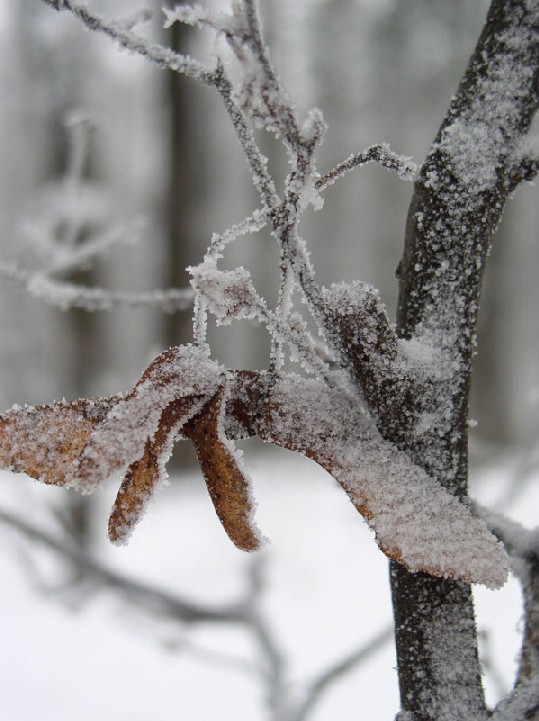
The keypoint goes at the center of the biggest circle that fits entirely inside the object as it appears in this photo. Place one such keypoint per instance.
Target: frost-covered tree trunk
(475, 162)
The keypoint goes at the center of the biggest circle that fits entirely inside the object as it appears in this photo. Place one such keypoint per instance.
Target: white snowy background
(327, 594)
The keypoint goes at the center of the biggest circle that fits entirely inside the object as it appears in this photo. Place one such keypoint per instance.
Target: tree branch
(522, 545)
(144, 596)
(413, 385)
(157, 54)
(381, 153)
(346, 665)
(65, 295)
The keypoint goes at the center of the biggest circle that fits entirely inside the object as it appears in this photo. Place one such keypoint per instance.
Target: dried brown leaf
(182, 372)
(227, 482)
(46, 442)
(415, 520)
(144, 474)
(78, 444)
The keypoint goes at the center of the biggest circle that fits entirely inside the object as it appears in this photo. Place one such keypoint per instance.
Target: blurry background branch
(246, 612)
(523, 548)
(66, 238)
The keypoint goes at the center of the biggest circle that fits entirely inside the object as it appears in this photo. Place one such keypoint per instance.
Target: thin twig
(346, 665)
(65, 295)
(275, 666)
(405, 168)
(158, 54)
(279, 108)
(252, 224)
(257, 162)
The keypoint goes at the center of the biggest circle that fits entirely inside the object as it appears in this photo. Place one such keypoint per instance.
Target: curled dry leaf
(181, 372)
(82, 443)
(226, 479)
(46, 442)
(229, 294)
(416, 522)
(143, 475)
(79, 444)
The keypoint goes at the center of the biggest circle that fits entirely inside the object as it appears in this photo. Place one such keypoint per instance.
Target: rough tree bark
(457, 204)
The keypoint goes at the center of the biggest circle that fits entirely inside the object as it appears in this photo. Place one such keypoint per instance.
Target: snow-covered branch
(65, 295)
(458, 201)
(121, 34)
(405, 168)
(522, 545)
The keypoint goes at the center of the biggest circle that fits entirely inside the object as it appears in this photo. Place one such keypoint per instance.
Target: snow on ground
(327, 594)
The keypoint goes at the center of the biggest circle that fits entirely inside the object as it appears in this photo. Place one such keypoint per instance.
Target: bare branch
(64, 295)
(346, 665)
(141, 595)
(274, 671)
(117, 31)
(405, 168)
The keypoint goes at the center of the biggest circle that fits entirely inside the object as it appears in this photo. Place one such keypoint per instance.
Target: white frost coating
(190, 15)
(228, 294)
(184, 371)
(473, 147)
(252, 224)
(450, 655)
(196, 15)
(521, 542)
(415, 520)
(42, 441)
(423, 357)
(349, 298)
(381, 153)
(125, 531)
(403, 165)
(237, 454)
(527, 149)
(307, 193)
(64, 295)
(314, 127)
(477, 140)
